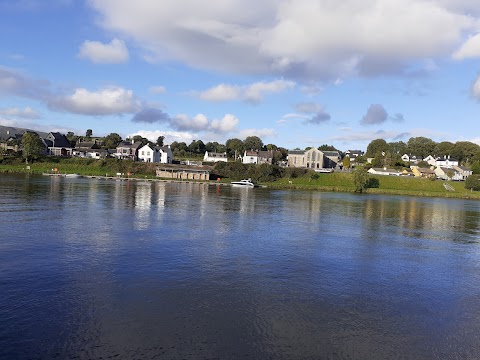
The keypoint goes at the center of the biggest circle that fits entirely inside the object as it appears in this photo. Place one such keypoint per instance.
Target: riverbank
(335, 182)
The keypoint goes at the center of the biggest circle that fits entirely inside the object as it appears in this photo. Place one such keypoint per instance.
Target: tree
(473, 182)
(112, 140)
(421, 146)
(443, 148)
(160, 141)
(139, 138)
(215, 147)
(32, 145)
(476, 168)
(397, 147)
(253, 143)
(360, 179)
(196, 146)
(88, 133)
(423, 164)
(346, 162)
(376, 148)
(235, 146)
(326, 147)
(464, 151)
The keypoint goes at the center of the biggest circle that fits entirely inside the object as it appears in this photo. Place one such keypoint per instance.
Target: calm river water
(96, 269)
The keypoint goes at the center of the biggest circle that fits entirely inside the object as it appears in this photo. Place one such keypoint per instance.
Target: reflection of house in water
(143, 198)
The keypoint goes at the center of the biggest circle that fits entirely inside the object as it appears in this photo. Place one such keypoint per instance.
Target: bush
(473, 182)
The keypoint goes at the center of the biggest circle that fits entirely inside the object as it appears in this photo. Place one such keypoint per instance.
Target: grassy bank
(393, 185)
(107, 167)
(337, 181)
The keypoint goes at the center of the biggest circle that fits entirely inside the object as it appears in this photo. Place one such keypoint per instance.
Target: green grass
(336, 181)
(388, 185)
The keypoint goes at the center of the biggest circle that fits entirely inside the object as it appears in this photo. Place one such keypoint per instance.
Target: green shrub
(473, 182)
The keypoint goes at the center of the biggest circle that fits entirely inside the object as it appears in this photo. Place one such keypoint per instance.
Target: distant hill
(8, 131)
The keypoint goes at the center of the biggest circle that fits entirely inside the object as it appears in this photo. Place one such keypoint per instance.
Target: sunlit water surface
(94, 269)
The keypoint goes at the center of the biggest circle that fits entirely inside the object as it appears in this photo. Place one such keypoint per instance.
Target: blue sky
(295, 73)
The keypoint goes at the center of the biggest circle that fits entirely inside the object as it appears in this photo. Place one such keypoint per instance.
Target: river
(98, 269)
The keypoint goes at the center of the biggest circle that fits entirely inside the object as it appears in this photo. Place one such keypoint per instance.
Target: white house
(384, 171)
(430, 160)
(250, 157)
(405, 158)
(215, 157)
(257, 157)
(155, 154)
(446, 162)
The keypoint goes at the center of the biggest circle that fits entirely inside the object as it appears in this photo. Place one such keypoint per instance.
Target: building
(184, 173)
(155, 154)
(215, 157)
(446, 161)
(384, 171)
(313, 159)
(422, 172)
(128, 150)
(57, 144)
(257, 157)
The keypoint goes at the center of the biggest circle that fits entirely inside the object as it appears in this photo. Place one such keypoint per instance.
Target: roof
(126, 144)
(425, 170)
(214, 154)
(7, 132)
(251, 153)
(265, 154)
(87, 145)
(385, 170)
(58, 140)
(296, 152)
(331, 153)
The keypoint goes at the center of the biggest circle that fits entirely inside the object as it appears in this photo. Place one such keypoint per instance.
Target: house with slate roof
(57, 144)
(257, 157)
(384, 171)
(128, 150)
(155, 154)
(215, 157)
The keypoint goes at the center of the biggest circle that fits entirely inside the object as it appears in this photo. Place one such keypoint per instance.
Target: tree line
(389, 154)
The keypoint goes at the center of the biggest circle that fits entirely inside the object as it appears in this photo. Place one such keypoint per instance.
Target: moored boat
(247, 183)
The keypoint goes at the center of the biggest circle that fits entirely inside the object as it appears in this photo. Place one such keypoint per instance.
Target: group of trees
(389, 154)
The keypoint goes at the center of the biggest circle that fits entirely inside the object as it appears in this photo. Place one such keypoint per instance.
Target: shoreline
(298, 183)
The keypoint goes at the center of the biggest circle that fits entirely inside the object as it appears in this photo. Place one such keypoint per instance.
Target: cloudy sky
(295, 73)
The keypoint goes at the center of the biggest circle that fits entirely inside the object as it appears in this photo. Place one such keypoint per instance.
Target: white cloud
(158, 89)
(108, 101)
(476, 88)
(114, 52)
(470, 49)
(225, 125)
(170, 136)
(250, 93)
(222, 92)
(256, 91)
(261, 133)
(198, 123)
(26, 113)
(295, 39)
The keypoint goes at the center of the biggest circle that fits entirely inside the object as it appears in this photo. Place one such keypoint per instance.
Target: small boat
(73, 176)
(246, 183)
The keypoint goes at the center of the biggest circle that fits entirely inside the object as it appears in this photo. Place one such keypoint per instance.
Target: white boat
(246, 183)
(73, 175)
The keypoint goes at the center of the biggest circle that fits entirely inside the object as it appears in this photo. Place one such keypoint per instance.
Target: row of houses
(456, 173)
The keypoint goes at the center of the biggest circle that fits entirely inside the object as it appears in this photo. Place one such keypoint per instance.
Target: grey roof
(7, 132)
(265, 154)
(87, 145)
(331, 153)
(296, 152)
(58, 140)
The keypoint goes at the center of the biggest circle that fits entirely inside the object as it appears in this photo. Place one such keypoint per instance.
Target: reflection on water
(100, 269)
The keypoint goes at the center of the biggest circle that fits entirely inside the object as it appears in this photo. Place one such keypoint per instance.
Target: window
(148, 153)
(143, 153)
